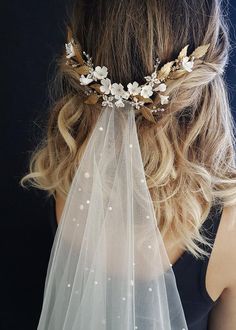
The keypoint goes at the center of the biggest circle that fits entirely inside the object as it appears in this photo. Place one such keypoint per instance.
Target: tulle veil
(108, 268)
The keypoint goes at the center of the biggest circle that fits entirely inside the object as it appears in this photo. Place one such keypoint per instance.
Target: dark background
(32, 34)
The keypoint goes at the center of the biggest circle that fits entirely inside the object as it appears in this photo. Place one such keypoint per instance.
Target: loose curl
(189, 157)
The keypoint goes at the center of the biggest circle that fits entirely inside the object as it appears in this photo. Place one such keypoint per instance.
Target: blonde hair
(189, 158)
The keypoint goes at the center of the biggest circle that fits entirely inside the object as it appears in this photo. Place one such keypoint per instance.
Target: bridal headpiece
(149, 97)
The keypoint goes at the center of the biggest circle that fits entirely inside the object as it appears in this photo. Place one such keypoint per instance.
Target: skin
(221, 272)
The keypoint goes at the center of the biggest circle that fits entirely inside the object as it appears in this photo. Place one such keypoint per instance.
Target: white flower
(100, 73)
(137, 103)
(134, 88)
(119, 103)
(70, 50)
(152, 79)
(160, 88)
(146, 91)
(186, 64)
(90, 75)
(164, 99)
(126, 95)
(153, 76)
(117, 90)
(107, 100)
(85, 80)
(106, 86)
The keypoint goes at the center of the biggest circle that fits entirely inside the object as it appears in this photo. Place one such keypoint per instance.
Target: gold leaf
(165, 70)
(177, 74)
(92, 99)
(143, 99)
(183, 53)
(69, 34)
(96, 87)
(77, 47)
(84, 69)
(147, 114)
(200, 51)
(78, 54)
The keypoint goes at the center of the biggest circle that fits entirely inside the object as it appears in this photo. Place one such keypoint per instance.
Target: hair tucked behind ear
(189, 159)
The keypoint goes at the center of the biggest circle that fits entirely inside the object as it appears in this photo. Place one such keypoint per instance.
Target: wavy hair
(189, 157)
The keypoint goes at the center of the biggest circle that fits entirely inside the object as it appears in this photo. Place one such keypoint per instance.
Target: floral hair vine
(147, 98)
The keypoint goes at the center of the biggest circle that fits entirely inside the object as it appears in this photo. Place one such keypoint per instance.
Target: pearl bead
(171, 265)
(147, 217)
(81, 207)
(77, 224)
(95, 282)
(73, 219)
(123, 298)
(68, 285)
(132, 282)
(101, 128)
(131, 146)
(149, 246)
(86, 175)
(110, 208)
(88, 201)
(150, 289)
(142, 180)
(79, 189)
(135, 327)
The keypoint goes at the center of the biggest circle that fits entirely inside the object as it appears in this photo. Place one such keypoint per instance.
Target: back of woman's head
(189, 157)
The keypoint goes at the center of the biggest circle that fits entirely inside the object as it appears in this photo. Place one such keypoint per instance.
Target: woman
(187, 152)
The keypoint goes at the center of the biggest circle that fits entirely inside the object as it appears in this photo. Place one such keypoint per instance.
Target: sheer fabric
(108, 267)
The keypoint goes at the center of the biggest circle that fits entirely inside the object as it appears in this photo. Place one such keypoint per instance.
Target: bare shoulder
(226, 241)
(59, 203)
(229, 247)
(222, 272)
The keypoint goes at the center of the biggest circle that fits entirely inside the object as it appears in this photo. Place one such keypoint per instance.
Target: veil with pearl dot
(108, 267)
